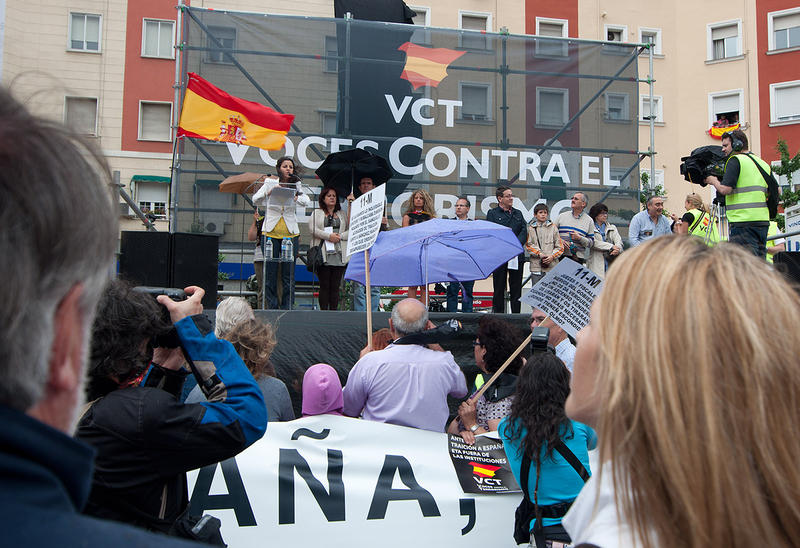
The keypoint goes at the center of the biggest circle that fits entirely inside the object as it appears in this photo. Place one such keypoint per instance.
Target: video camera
(169, 337)
(440, 333)
(702, 162)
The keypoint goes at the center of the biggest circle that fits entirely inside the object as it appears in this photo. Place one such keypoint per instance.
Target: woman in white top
(280, 221)
(329, 224)
(694, 403)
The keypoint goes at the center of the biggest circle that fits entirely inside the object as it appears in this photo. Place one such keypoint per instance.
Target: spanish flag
(484, 470)
(718, 132)
(210, 113)
(427, 66)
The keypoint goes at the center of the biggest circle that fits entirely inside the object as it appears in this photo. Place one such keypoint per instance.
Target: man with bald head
(406, 383)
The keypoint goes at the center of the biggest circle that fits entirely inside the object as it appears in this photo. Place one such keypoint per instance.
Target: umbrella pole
(369, 297)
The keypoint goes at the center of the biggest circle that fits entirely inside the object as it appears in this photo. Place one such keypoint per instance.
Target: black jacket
(146, 439)
(44, 481)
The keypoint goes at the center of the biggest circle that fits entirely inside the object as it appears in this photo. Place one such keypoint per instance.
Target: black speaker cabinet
(161, 259)
(194, 262)
(145, 258)
(788, 263)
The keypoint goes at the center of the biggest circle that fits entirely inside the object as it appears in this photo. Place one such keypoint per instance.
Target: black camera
(702, 162)
(169, 337)
(539, 338)
(440, 333)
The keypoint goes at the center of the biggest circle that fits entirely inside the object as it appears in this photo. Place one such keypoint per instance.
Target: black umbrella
(342, 170)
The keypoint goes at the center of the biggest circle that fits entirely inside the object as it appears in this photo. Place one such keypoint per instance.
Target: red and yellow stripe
(484, 470)
(210, 113)
(427, 66)
(718, 132)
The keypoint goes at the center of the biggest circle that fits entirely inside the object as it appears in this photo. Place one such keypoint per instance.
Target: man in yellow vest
(746, 192)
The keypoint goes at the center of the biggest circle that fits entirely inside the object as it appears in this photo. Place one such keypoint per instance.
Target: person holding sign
(691, 403)
(365, 184)
(539, 438)
(280, 222)
(495, 342)
(507, 215)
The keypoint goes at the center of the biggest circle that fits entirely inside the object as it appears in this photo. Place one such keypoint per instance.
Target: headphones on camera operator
(737, 145)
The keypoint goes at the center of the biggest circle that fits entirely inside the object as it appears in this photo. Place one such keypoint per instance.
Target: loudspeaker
(788, 263)
(194, 262)
(161, 259)
(145, 258)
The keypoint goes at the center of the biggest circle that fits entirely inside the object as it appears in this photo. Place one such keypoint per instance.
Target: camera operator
(746, 191)
(146, 439)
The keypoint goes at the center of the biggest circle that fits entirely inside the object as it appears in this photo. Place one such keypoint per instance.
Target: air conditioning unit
(213, 223)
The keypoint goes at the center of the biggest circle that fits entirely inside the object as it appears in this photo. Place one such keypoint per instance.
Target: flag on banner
(210, 113)
(427, 66)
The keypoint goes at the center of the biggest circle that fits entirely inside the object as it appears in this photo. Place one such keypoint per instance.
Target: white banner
(566, 294)
(366, 213)
(339, 481)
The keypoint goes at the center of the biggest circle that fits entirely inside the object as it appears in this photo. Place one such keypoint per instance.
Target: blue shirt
(558, 480)
(642, 228)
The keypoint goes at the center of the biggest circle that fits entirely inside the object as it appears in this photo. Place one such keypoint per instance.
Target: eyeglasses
(477, 343)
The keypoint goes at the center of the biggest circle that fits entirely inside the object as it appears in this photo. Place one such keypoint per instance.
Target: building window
(724, 39)
(617, 106)
(551, 28)
(552, 106)
(474, 22)
(227, 37)
(80, 113)
(654, 181)
(331, 54)
(327, 122)
(155, 121)
(616, 33)
(152, 198)
(651, 36)
(784, 29)
(84, 32)
(476, 99)
(784, 102)
(725, 108)
(421, 19)
(158, 38)
(646, 111)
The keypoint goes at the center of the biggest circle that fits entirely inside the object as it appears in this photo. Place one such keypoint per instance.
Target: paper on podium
(282, 196)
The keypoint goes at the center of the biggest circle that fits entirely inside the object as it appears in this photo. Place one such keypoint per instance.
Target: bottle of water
(283, 249)
(289, 250)
(267, 249)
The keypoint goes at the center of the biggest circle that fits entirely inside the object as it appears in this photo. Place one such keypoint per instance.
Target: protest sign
(366, 214)
(483, 467)
(566, 294)
(348, 482)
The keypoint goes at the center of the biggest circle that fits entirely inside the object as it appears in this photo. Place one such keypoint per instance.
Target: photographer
(746, 190)
(146, 439)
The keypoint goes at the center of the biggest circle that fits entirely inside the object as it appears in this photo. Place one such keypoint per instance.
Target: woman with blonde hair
(254, 342)
(694, 405)
(419, 208)
(697, 221)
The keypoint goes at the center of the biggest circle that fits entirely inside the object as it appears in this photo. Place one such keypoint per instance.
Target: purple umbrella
(439, 250)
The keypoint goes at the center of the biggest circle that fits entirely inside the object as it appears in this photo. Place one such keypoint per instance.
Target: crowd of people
(682, 401)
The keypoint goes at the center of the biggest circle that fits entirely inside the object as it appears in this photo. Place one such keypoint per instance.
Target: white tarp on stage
(338, 481)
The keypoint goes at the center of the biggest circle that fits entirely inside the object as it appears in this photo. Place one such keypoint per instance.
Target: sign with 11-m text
(566, 294)
(366, 213)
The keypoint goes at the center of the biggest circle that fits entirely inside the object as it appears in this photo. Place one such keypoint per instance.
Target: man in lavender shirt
(405, 384)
